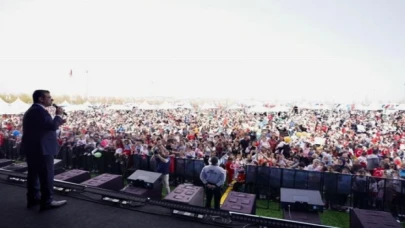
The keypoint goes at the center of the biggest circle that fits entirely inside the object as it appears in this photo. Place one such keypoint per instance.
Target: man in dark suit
(39, 144)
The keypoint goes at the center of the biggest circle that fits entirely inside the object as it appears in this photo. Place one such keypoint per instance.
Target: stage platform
(79, 213)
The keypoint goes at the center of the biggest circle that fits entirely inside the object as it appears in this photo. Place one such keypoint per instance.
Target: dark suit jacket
(39, 132)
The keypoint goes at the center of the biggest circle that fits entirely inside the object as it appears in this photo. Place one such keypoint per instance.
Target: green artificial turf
(328, 217)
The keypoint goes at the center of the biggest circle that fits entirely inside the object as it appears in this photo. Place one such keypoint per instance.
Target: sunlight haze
(312, 50)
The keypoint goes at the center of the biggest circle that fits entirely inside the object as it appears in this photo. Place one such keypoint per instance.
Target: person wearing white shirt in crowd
(189, 152)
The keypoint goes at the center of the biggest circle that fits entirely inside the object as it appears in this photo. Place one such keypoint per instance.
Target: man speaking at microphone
(39, 143)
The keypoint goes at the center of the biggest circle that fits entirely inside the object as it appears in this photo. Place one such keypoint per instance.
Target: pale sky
(316, 50)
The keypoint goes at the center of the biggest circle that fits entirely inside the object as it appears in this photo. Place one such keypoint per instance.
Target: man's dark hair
(214, 161)
(37, 94)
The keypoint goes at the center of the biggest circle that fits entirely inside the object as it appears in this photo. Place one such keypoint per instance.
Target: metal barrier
(336, 189)
(10, 149)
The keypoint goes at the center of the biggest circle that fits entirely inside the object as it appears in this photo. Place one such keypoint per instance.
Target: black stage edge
(77, 213)
(94, 207)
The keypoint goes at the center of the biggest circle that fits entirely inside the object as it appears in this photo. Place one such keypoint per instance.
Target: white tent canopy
(2, 102)
(81, 107)
(87, 103)
(235, 107)
(342, 107)
(185, 105)
(18, 107)
(132, 104)
(321, 107)
(400, 107)
(374, 107)
(280, 108)
(119, 107)
(305, 106)
(259, 109)
(252, 103)
(4, 107)
(208, 106)
(65, 104)
(360, 107)
(146, 106)
(166, 106)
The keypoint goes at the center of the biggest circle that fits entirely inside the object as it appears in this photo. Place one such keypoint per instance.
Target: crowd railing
(337, 190)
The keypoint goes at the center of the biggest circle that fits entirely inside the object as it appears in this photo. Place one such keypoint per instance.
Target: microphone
(56, 106)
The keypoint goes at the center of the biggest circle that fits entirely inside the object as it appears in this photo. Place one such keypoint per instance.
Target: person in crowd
(331, 140)
(162, 159)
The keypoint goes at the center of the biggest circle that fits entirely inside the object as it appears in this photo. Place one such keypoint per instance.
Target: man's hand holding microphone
(60, 112)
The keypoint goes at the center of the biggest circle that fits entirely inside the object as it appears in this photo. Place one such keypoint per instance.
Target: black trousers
(237, 186)
(213, 192)
(206, 160)
(40, 178)
(360, 199)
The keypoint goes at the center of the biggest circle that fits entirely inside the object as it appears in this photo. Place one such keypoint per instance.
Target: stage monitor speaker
(17, 167)
(143, 192)
(5, 162)
(58, 166)
(301, 200)
(146, 179)
(372, 219)
(240, 202)
(302, 216)
(187, 194)
(106, 181)
(74, 176)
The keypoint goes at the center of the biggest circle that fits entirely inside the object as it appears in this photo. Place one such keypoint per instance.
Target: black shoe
(32, 203)
(54, 204)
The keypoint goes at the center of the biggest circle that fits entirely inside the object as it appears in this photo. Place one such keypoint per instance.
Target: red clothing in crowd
(385, 152)
(190, 137)
(273, 144)
(1, 139)
(127, 151)
(172, 165)
(119, 144)
(225, 121)
(241, 177)
(60, 142)
(270, 117)
(378, 172)
(358, 152)
(229, 171)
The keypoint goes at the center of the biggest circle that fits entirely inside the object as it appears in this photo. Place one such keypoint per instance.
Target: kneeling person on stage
(213, 178)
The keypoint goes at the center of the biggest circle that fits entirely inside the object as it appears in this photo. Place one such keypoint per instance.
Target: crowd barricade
(336, 189)
(10, 149)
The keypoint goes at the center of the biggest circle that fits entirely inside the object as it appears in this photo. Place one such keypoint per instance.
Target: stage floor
(77, 213)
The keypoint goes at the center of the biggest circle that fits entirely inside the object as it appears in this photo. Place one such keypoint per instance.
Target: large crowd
(364, 143)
